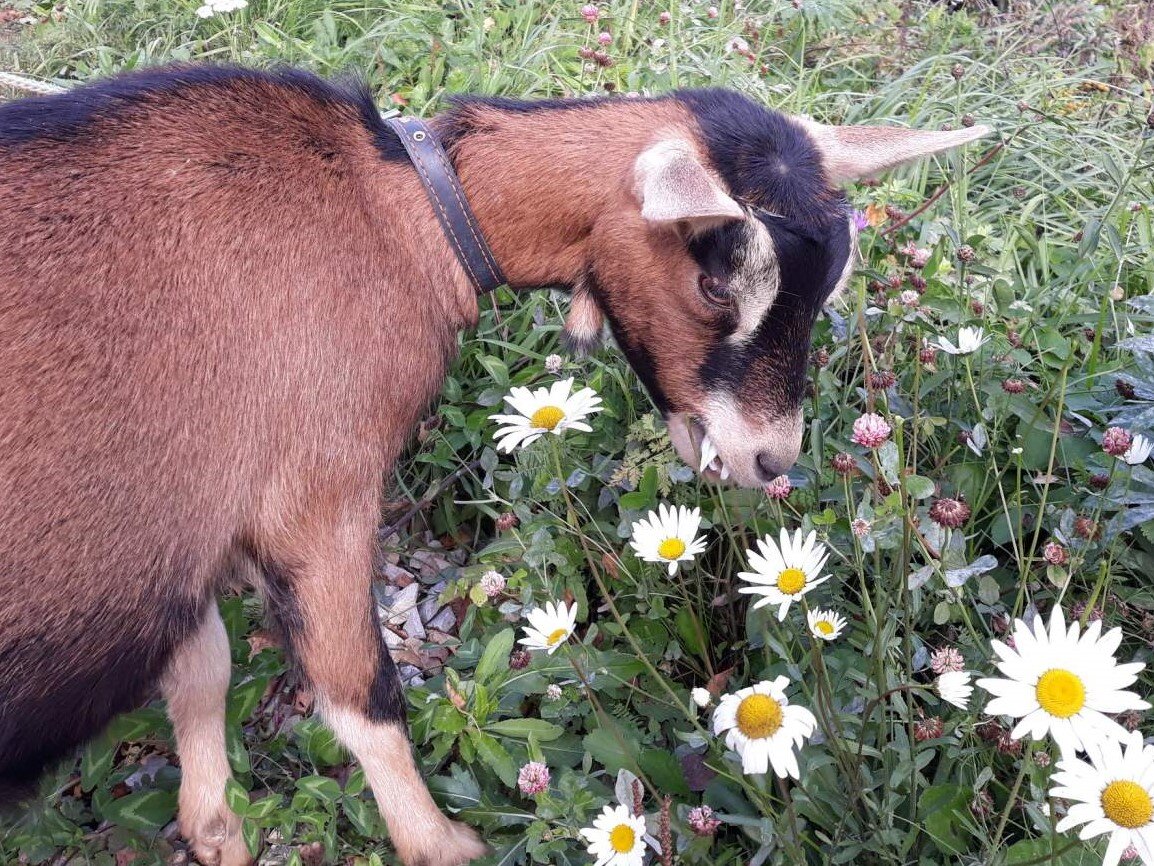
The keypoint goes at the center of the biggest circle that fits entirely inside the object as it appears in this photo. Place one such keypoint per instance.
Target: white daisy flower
(617, 837)
(549, 627)
(1113, 793)
(212, 7)
(764, 728)
(954, 687)
(1062, 684)
(701, 697)
(784, 574)
(969, 340)
(668, 535)
(1139, 450)
(546, 410)
(825, 624)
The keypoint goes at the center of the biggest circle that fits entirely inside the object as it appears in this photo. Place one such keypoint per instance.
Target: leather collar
(449, 203)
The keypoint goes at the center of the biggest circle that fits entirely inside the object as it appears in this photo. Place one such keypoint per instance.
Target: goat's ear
(852, 152)
(584, 323)
(674, 188)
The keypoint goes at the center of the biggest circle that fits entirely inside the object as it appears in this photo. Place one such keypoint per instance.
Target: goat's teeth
(724, 472)
(708, 453)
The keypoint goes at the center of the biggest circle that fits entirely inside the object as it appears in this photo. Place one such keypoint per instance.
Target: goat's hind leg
(196, 686)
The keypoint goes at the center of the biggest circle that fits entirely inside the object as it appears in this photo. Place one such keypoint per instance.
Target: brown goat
(226, 302)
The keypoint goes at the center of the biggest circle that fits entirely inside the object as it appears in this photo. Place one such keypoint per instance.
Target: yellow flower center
(759, 716)
(546, 418)
(791, 581)
(556, 636)
(1060, 693)
(671, 548)
(622, 838)
(1127, 804)
(824, 626)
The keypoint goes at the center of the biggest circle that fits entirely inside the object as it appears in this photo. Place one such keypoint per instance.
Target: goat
(226, 301)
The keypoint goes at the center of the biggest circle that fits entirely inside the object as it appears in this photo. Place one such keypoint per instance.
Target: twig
(941, 190)
(421, 504)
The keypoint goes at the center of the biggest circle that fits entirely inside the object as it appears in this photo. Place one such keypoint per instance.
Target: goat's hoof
(218, 842)
(453, 844)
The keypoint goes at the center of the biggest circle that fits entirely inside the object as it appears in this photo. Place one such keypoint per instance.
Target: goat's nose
(769, 465)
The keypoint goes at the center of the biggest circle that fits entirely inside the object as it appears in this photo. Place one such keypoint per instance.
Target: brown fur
(214, 351)
(582, 210)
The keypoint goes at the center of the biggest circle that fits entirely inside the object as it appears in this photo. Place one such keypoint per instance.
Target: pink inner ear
(674, 187)
(852, 152)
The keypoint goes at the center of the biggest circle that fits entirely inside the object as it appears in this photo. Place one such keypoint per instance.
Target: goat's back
(199, 302)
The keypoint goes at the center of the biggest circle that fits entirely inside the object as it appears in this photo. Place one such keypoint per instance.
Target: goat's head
(727, 238)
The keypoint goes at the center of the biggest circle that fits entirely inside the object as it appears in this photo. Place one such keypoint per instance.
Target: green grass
(1061, 224)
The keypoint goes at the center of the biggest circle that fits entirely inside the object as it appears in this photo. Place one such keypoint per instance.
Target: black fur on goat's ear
(584, 323)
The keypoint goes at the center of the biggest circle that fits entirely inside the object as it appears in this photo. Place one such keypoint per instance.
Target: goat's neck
(538, 180)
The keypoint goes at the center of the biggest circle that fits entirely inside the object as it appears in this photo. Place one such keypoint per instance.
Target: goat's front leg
(319, 587)
(195, 686)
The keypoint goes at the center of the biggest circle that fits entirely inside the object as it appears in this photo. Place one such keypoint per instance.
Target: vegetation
(992, 497)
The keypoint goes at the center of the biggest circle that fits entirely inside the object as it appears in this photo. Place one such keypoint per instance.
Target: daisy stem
(797, 855)
(994, 460)
(867, 601)
(614, 612)
(1027, 557)
(607, 723)
(827, 713)
(1010, 801)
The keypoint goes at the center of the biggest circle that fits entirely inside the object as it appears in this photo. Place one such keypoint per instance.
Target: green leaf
(919, 487)
(261, 809)
(495, 756)
(138, 723)
(236, 797)
(237, 753)
(945, 810)
(521, 729)
(942, 613)
(245, 697)
(613, 752)
(1056, 851)
(688, 629)
(888, 460)
(319, 743)
(648, 485)
(144, 811)
(988, 590)
(496, 656)
(364, 816)
(497, 370)
(664, 772)
(97, 760)
(250, 830)
(633, 501)
(320, 787)
(355, 783)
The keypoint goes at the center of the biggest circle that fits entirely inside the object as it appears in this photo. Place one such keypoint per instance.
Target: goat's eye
(714, 290)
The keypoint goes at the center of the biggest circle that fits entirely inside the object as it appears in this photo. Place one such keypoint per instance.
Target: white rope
(19, 82)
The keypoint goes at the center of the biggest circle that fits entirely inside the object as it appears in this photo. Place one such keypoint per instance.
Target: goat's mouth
(693, 444)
